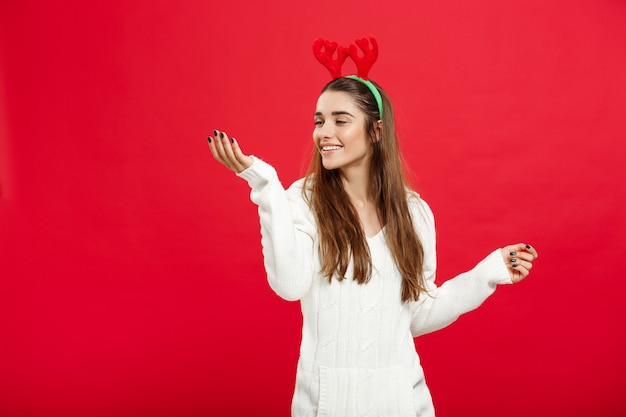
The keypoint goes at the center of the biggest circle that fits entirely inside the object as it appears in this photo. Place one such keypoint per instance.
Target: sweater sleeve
(442, 305)
(287, 231)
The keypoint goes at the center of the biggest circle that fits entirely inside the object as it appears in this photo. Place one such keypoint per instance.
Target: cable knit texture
(357, 356)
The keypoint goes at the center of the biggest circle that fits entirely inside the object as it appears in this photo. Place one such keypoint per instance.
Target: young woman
(356, 247)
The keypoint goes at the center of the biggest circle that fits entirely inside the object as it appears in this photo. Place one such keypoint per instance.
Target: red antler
(364, 63)
(324, 51)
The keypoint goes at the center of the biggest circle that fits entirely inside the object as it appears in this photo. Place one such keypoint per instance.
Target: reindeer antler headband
(332, 56)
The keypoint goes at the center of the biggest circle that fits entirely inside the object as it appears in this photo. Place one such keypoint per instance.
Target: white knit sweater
(357, 356)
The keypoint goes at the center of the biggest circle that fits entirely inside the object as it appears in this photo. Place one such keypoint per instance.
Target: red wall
(131, 280)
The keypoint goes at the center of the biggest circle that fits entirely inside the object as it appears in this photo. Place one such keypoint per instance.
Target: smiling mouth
(330, 148)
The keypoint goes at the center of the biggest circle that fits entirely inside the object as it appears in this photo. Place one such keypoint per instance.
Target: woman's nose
(325, 131)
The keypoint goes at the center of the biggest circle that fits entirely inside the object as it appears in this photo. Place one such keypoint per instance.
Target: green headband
(375, 92)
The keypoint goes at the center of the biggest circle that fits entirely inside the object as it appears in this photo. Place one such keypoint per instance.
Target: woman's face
(340, 133)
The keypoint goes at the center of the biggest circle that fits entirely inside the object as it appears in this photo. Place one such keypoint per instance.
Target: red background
(131, 279)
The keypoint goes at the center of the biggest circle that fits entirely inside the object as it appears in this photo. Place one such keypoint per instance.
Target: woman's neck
(357, 185)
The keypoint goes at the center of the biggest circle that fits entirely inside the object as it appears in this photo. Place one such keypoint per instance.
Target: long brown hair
(341, 236)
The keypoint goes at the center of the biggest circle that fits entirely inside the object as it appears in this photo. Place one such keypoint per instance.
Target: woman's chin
(329, 165)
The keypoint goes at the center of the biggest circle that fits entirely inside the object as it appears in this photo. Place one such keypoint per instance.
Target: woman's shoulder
(420, 210)
(300, 190)
(299, 185)
(414, 198)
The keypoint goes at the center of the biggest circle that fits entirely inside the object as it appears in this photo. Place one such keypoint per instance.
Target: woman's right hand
(227, 152)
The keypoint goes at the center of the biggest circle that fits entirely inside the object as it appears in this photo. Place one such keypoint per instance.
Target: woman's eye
(319, 122)
(341, 122)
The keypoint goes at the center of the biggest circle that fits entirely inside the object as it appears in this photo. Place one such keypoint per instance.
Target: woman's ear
(378, 129)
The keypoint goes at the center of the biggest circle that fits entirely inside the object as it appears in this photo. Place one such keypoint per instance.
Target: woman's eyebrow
(335, 113)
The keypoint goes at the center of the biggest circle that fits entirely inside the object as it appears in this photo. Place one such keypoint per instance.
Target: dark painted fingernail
(209, 139)
(215, 133)
(513, 260)
(514, 266)
(232, 140)
(527, 246)
(513, 253)
(222, 135)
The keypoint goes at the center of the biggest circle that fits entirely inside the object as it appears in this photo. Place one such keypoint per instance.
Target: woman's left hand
(519, 260)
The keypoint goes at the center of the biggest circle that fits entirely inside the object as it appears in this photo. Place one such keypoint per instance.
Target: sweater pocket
(361, 392)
